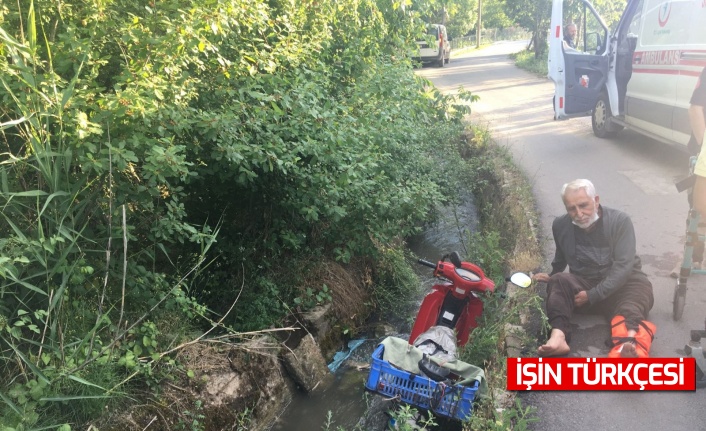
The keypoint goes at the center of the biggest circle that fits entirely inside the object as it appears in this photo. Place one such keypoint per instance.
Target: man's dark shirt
(592, 252)
(569, 41)
(615, 264)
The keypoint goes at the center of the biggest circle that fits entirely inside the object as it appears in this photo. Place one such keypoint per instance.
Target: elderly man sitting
(597, 243)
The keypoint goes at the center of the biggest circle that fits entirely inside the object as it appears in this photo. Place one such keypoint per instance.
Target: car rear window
(433, 31)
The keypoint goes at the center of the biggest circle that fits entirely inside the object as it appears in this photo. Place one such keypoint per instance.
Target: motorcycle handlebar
(427, 263)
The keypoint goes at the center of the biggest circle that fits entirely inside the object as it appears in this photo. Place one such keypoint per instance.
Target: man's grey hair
(571, 24)
(577, 185)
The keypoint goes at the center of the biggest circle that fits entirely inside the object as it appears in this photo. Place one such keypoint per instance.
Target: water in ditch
(342, 402)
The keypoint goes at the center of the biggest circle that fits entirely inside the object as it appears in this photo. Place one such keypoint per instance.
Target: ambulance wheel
(679, 301)
(600, 120)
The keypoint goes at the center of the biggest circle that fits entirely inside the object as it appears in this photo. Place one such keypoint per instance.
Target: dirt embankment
(244, 383)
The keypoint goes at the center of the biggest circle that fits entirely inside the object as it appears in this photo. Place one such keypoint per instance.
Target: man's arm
(698, 124)
(697, 120)
(696, 109)
(699, 195)
(559, 263)
(623, 240)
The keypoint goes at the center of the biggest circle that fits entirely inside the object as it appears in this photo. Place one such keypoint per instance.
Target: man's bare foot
(555, 346)
(628, 351)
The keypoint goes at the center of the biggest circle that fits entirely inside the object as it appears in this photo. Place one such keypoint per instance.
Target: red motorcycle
(453, 302)
(424, 371)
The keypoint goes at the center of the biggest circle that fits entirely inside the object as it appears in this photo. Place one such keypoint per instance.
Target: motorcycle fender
(469, 320)
(428, 313)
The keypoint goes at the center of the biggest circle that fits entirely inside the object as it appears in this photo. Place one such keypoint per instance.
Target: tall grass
(46, 209)
(66, 343)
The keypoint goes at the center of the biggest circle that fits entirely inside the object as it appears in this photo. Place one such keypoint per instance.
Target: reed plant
(71, 337)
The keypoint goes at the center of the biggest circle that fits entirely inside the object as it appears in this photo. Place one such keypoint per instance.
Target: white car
(435, 47)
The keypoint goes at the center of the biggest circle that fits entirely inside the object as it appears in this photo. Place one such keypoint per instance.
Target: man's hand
(541, 276)
(581, 299)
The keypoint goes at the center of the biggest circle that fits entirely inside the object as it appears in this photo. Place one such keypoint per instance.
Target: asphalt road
(631, 173)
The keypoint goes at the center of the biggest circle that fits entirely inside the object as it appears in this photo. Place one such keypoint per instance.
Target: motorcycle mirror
(520, 279)
(455, 259)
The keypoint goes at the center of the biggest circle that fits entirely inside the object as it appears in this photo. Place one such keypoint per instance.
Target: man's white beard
(586, 225)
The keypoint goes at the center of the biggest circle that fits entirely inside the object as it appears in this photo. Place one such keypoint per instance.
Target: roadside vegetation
(507, 242)
(174, 172)
(526, 60)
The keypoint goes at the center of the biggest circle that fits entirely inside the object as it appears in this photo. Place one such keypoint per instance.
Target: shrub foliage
(157, 155)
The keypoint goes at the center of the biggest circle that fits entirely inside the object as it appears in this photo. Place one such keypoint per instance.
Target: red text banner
(601, 374)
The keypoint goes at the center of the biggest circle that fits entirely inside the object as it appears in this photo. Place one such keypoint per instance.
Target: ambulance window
(634, 27)
(595, 35)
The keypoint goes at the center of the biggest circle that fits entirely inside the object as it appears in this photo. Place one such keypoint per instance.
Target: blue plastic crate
(455, 402)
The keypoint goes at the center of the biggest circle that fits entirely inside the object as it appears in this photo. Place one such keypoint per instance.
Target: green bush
(134, 134)
(528, 61)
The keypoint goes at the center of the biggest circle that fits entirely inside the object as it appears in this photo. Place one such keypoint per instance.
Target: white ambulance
(640, 75)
